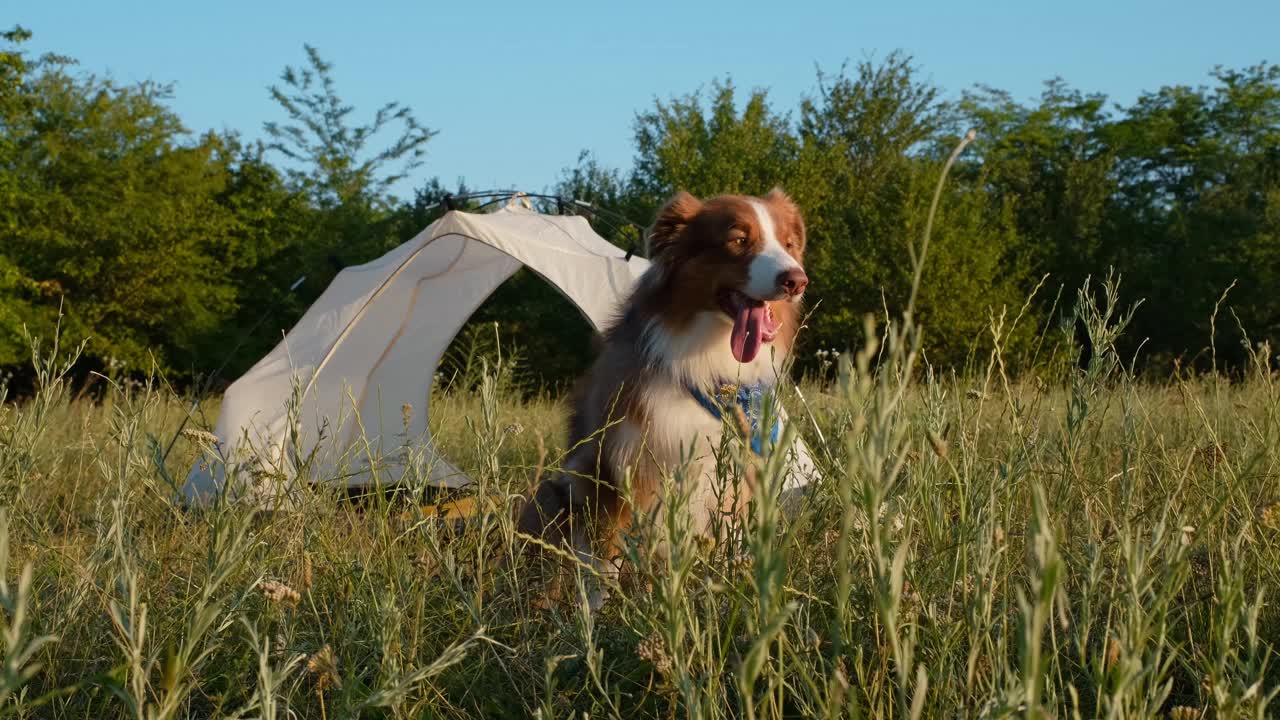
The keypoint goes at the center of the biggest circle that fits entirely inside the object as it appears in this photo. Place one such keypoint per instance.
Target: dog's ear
(680, 210)
(789, 212)
(780, 196)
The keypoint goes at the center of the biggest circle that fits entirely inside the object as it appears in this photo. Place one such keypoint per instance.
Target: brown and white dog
(724, 286)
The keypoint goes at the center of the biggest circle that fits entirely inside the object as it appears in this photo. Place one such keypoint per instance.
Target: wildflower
(280, 594)
(812, 637)
(704, 544)
(841, 676)
(1182, 712)
(406, 414)
(909, 603)
(424, 563)
(654, 650)
(898, 522)
(1113, 652)
(203, 436)
(909, 593)
(939, 446)
(324, 665)
(1270, 516)
(982, 665)
(835, 354)
(1212, 455)
(740, 562)
(820, 354)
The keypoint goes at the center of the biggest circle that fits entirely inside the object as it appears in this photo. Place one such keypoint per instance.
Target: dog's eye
(738, 240)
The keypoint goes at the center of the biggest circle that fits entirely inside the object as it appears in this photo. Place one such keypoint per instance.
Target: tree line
(190, 253)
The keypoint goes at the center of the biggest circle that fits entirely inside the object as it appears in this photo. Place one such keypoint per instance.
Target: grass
(1079, 544)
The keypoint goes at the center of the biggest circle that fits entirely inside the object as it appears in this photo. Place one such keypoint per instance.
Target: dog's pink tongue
(746, 337)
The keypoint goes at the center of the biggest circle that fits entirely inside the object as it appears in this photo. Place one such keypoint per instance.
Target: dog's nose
(793, 281)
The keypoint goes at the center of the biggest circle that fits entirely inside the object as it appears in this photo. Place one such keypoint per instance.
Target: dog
(719, 306)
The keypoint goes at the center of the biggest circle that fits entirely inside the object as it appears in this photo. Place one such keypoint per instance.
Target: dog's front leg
(566, 512)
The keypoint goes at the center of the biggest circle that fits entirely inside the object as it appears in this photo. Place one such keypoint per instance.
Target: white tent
(361, 360)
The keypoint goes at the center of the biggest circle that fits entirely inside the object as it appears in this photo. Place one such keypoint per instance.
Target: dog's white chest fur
(676, 438)
(677, 433)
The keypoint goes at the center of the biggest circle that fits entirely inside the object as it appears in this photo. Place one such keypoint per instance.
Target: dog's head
(736, 255)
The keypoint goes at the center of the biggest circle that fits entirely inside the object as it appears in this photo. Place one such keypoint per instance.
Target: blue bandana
(751, 399)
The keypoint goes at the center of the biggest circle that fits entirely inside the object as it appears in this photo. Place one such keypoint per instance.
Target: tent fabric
(346, 392)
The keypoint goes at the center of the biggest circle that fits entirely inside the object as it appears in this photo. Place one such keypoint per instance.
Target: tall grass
(1086, 545)
(1074, 544)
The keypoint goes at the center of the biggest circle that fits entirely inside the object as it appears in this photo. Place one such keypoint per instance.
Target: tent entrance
(551, 338)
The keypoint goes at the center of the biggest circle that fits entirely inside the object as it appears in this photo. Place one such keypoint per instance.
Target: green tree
(872, 146)
(1198, 207)
(1177, 191)
(22, 297)
(345, 169)
(109, 206)
(682, 145)
(337, 165)
(1052, 167)
(269, 230)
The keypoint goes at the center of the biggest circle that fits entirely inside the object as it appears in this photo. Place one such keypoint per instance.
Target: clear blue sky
(517, 90)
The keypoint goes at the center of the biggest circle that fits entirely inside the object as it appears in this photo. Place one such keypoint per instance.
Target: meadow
(1077, 542)
(1055, 528)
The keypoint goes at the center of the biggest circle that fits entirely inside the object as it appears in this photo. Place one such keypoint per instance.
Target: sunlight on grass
(1084, 545)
